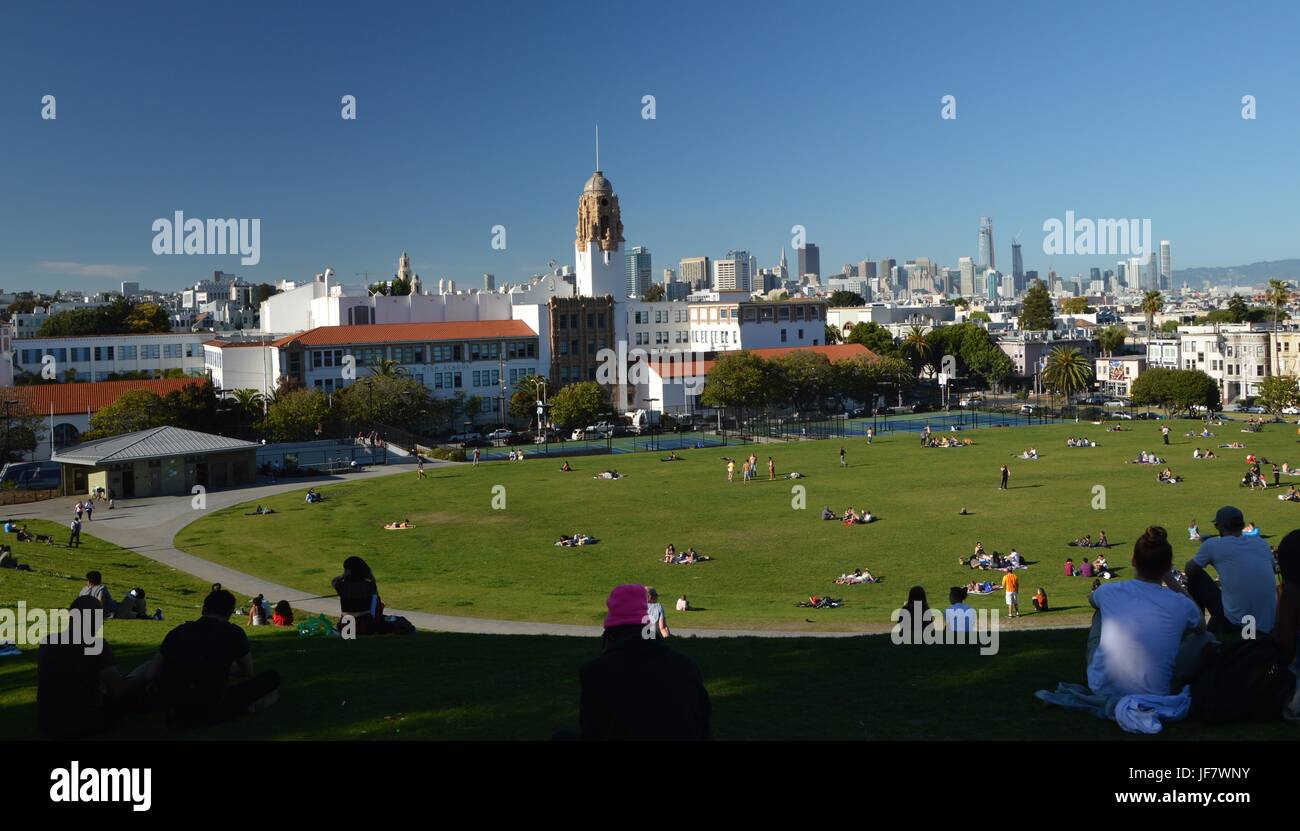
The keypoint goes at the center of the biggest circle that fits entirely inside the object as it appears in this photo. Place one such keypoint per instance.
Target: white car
(500, 434)
(1291, 410)
(1116, 403)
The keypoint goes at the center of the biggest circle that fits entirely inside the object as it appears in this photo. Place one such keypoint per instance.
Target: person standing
(871, 434)
(1006, 474)
(843, 463)
(1164, 432)
(731, 470)
(771, 470)
(90, 506)
(655, 610)
(419, 466)
(476, 457)
(74, 539)
(1011, 585)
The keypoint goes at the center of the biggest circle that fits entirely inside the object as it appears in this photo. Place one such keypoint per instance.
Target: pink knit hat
(627, 604)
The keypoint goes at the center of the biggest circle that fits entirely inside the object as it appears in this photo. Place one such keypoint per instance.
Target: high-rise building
(1017, 267)
(489, 282)
(781, 272)
(1166, 265)
(810, 261)
(1134, 273)
(966, 278)
(130, 290)
(638, 270)
(866, 270)
(886, 273)
(695, 272)
(988, 258)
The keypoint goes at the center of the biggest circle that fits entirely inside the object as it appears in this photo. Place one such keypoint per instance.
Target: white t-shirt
(959, 618)
(655, 611)
(1245, 567)
(1142, 626)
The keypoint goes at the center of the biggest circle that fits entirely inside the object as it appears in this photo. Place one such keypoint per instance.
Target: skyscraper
(696, 272)
(810, 261)
(638, 271)
(1166, 265)
(1017, 267)
(987, 256)
(966, 282)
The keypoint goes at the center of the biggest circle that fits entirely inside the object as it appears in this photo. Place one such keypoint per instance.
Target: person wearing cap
(1247, 588)
(639, 688)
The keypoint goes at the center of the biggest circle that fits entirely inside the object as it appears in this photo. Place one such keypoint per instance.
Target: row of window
(661, 337)
(568, 374)
(573, 347)
(756, 313)
(595, 320)
(86, 354)
(420, 354)
(661, 316)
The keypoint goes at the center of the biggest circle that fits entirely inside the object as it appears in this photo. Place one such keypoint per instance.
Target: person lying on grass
(856, 577)
(1290, 496)
(578, 538)
(260, 511)
(399, 526)
(608, 474)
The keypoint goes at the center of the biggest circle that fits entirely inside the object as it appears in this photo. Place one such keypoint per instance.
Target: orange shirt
(1011, 582)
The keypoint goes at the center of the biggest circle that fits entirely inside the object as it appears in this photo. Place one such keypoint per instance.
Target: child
(1040, 600)
(283, 615)
(682, 604)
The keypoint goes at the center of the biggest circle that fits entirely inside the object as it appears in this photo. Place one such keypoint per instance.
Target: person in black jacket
(639, 688)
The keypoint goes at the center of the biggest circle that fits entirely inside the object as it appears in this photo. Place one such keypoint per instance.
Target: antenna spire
(598, 147)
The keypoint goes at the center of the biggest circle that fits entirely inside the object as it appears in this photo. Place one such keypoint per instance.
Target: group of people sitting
(1096, 568)
(1291, 495)
(1145, 458)
(1118, 429)
(1205, 453)
(515, 455)
(856, 577)
(1079, 442)
(1086, 541)
(817, 602)
(688, 557)
(1030, 453)
(260, 611)
(945, 441)
(1167, 477)
(23, 535)
(1232, 445)
(578, 538)
(313, 495)
(850, 517)
(981, 559)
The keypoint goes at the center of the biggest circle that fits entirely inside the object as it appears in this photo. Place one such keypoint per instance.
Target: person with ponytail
(1138, 642)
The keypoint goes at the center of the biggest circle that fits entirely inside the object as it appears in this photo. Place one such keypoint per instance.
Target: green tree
(523, 402)
(193, 406)
(578, 405)
(1067, 371)
(960, 301)
(738, 379)
(1112, 339)
(873, 336)
(1175, 389)
(296, 416)
(23, 431)
(1238, 311)
(247, 406)
(395, 400)
(801, 379)
(654, 294)
(1278, 392)
(979, 314)
(1152, 303)
(132, 411)
(264, 291)
(917, 348)
(1076, 306)
(1036, 314)
(832, 335)
(843, 298)
(387, 368)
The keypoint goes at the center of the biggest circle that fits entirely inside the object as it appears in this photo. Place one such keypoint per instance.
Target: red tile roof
(834, 352)
(409, 333)
(78, 397)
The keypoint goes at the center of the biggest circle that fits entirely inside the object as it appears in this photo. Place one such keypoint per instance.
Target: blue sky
(768, 115)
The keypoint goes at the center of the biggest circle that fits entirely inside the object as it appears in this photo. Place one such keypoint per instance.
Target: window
(127, 353)
(445, 354)
(80, 353)
(171, 350)
(800, 334)
(191, 350)
(103, 353)
(485, 351)
(150, 351)
(782, 336)
(370, 356)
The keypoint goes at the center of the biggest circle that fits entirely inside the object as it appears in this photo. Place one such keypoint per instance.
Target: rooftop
(155, 443)
(409, 333)
(81, 397)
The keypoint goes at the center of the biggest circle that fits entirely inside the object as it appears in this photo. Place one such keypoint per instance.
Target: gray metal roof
(155, 443)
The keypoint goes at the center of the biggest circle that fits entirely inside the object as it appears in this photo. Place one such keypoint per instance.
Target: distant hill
(1255, 274)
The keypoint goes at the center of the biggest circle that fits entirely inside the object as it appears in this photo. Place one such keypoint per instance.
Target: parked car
(501, 433)
(462, 437)
(1149, 416)
(1027, 409)
(1125, 416)
(970, 401)
(1256, 410)
(1291, 410)
(1116, 402)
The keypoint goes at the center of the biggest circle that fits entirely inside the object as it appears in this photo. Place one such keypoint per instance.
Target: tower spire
(598, 147)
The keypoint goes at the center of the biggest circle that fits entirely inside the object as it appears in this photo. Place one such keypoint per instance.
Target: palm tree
(387, 368)
(246, 402)
(1067, 371)
(1152, 303)
(916, 346)
(1112, 338)
(1279, 292)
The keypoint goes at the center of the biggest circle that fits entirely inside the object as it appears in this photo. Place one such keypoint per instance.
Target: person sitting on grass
(1083, 542)
(1085, 568)
(564, 468)
(95, 588)
(1142, 626)
(866, 518)
(1070, 570)
(856, 577)
(670, 553)
(692, 556)
(683, 605)
(79, 693)
(1291, 495)
(134, 607)
(916, 612)
(283, 614)
(1100, 568)
(359, 602)
(1102, 542)
(639, 688)
(958, 617)
(828, 514)
(1040, 600)
(257, 611)
(850, 518)
(1014, 560)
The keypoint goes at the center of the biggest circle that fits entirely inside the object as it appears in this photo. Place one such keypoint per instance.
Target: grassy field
(500, 687)
(466, 557)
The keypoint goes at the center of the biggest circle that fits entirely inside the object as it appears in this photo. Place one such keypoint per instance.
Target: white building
(96, 357)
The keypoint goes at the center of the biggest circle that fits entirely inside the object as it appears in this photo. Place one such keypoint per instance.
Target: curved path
(148, 526)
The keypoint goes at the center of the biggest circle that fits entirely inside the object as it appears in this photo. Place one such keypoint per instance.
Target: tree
(578, 405)
(1175, 389)
(833, 335)
(1152, 303)
(1067, 371)
(296, 415)
(388, 368)
(23, 431)
(1112, 339)
(857, 378)
(738, 379)
(897, 373)
(523, 402)
(654, 294)
(193, 406)
(979, 314)
(873, 336)
(132, 411)
(148, 317)
(389, 399)
(1279, 292)
(1278, 392)
(960, 301)
(1238, 311)
(843, 298)
(917, 348)
(1076, 306)
(801, 379)
(1036, 314)
(264, 291)
(247, 406)
(118, 316)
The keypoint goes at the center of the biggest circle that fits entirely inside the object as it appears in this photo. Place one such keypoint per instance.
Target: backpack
(1242, 681)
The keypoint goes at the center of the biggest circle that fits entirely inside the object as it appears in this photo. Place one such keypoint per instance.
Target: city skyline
(437, 160)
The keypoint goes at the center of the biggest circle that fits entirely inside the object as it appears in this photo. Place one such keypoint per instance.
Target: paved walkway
(148, 526)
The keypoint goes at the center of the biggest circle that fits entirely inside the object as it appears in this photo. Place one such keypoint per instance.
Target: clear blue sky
(768, 115)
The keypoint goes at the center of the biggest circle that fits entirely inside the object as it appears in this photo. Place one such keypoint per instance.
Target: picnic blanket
(1134, 713)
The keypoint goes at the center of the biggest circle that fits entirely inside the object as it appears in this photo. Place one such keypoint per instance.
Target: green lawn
(465, 558)
(476, 687)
